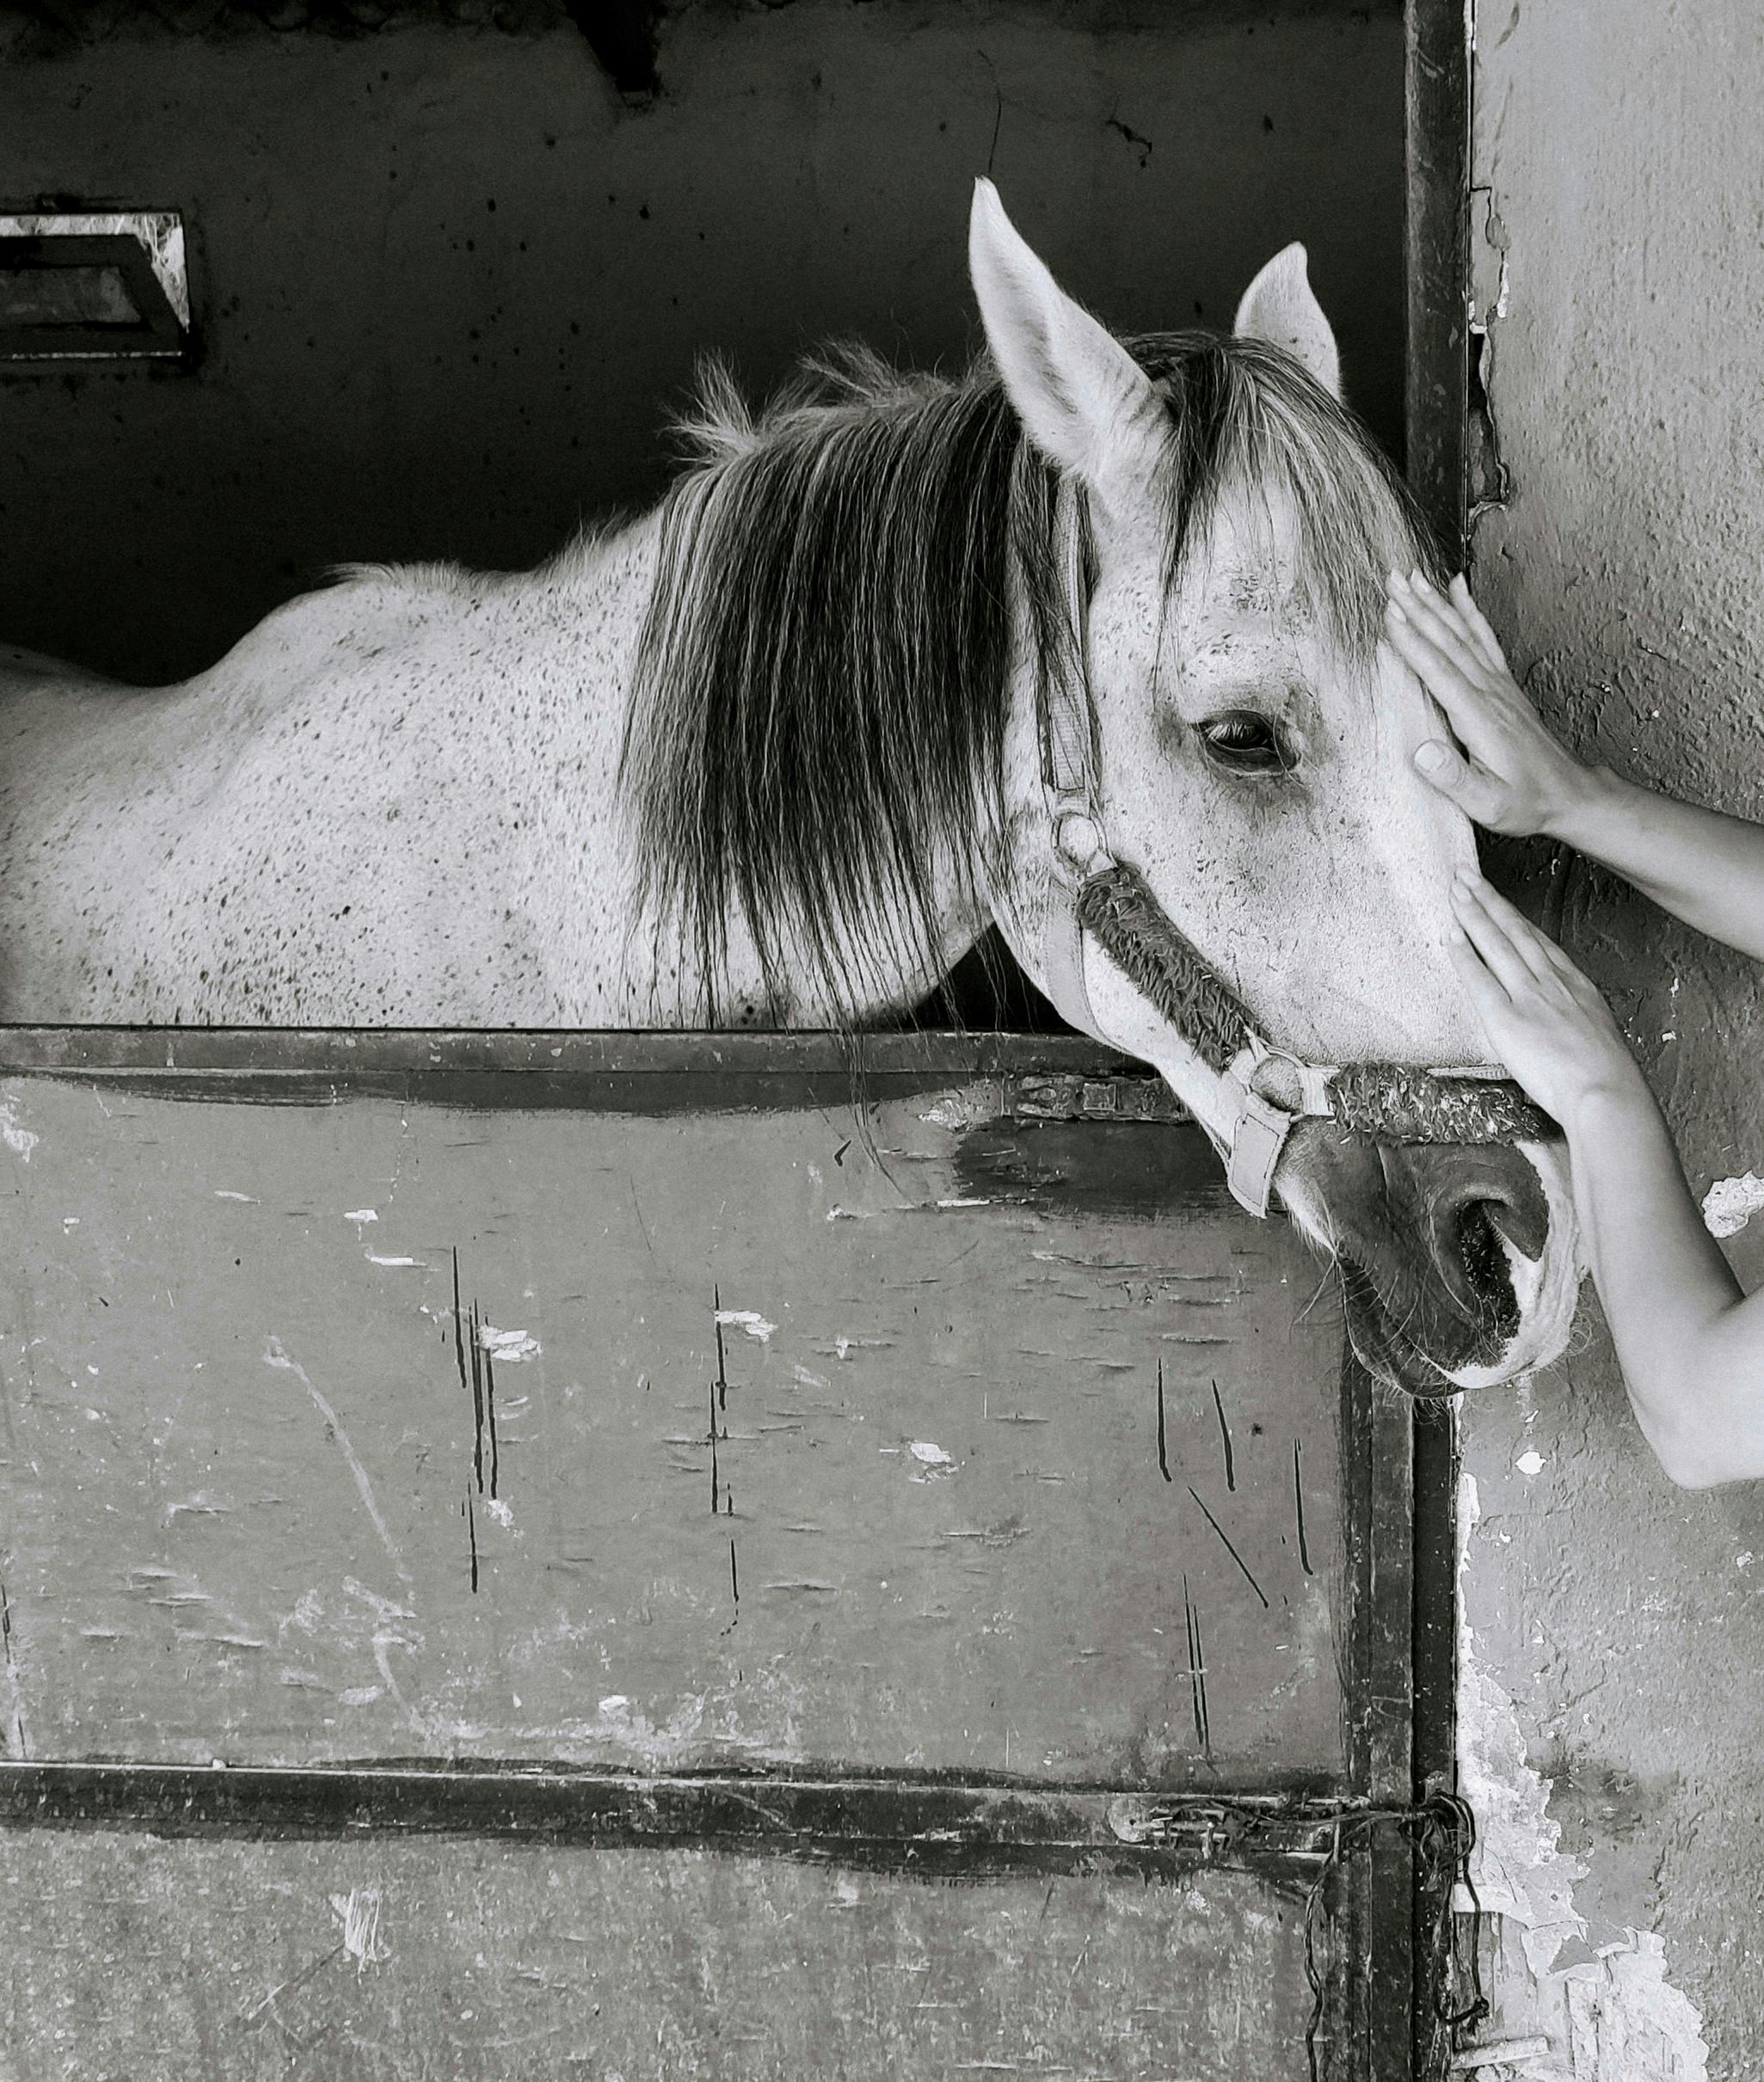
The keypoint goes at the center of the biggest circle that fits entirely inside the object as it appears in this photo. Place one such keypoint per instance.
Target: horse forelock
(815, 738)
(1245, 418)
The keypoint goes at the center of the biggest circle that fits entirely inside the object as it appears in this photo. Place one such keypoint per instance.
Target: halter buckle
(1309, 1081)
(1259, 1134)
(1260, 1126)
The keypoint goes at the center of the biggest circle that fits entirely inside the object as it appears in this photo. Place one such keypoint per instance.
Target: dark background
(449, 283)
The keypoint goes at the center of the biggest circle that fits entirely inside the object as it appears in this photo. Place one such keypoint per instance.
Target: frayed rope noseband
(1093, 893)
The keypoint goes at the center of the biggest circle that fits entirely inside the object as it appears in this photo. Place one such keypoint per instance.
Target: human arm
(1508, 772)
(1690, 1344)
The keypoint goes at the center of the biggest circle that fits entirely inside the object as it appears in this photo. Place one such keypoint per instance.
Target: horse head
(1251, 744)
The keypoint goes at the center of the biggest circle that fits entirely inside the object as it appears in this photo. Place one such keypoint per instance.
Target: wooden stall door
(642, 1558)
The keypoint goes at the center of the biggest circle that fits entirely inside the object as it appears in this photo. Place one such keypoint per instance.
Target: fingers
(1473, 972)
(1448, 674)
(1513, 922)
(1547, 962)
(1488, 1000)
(1438, 615)
(1475, 791)
(1486, 640)
(1572, 977)
(1501, 952)
(1415, 646)
(1442, 766)
(1438, 670)
(1438, 620)
(1438, 612)
(1565, 965)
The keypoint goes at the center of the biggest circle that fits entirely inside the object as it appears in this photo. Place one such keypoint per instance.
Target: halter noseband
(1094, 892)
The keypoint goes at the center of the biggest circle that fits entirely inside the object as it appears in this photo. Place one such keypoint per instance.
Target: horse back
(398, 788)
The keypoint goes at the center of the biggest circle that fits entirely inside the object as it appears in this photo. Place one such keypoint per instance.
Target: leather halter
(1093, 893)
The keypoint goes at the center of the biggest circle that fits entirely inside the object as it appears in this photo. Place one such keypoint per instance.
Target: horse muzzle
(1458, 1263)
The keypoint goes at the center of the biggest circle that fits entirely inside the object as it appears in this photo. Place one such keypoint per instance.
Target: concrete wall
(1614, 1626)
(450, 284)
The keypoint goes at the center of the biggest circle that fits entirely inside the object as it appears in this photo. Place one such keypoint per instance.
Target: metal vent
(110, 286)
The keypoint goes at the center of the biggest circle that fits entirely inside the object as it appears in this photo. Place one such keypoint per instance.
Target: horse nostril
(1522, 1219)
(1479, 1230)
(1441, 1247)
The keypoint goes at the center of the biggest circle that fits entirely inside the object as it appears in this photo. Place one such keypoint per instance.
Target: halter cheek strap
(1092, 894)
(1071, 783)
(1074, 792)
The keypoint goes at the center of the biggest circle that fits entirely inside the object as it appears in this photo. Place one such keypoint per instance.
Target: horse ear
(1081, 397)
(1279, 308)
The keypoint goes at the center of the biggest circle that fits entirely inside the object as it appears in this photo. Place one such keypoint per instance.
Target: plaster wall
(1613, 1626)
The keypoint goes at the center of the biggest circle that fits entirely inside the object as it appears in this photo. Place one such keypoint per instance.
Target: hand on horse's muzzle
(1422, 1231)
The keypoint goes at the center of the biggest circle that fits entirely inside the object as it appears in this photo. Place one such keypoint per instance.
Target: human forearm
(1693, 1368)
(1706, 868)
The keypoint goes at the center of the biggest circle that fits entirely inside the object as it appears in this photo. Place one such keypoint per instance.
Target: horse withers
(779, 752)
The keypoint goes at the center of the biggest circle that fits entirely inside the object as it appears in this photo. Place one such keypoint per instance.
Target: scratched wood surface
(133, 1960)
(385, 1428)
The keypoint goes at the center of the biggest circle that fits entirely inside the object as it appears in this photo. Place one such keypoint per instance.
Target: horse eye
(1244, 741)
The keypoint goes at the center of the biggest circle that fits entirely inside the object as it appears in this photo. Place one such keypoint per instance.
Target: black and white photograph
(881, 891)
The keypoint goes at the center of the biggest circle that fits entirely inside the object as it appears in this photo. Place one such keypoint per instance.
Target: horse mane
(816, 739)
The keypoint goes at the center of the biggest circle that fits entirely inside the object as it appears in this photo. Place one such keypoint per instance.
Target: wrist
(1609, 1104)
(1589, 800)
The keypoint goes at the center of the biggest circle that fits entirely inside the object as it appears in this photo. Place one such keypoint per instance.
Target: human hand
(1543, 1019)
(1505, 771)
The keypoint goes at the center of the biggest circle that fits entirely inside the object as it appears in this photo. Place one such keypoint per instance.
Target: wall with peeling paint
(456, 326)
(1614, 1625)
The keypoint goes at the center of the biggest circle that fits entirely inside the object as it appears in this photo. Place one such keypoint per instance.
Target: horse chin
(1437, 1303)
(1382, 1344)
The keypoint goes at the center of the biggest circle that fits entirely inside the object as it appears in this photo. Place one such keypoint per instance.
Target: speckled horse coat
(770, 753)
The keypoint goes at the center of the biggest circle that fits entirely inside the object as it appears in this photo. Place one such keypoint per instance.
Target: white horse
(773, 754)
